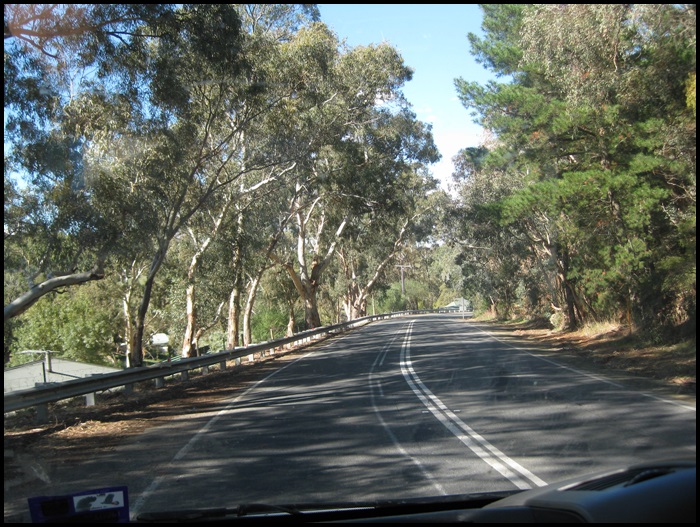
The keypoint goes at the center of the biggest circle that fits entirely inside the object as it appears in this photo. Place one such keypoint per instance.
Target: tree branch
(26, 300)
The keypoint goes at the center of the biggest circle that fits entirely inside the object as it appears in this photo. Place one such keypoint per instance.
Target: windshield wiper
(318, 512)
(192, 515)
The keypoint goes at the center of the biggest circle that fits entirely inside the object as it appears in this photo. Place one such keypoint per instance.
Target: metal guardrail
(40, 396)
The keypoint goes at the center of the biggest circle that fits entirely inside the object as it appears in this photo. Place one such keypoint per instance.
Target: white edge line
(587, 374)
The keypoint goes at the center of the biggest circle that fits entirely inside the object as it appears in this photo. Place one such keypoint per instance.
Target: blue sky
(432, 38)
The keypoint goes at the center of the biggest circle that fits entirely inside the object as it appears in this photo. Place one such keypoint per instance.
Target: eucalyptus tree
(279, 22)
(447, 272)
(446, 222)
(164, 129)
(276, 314)
(188, 110)
(253, 231)
(409, 284)
(297, 53)
(380, 235)
(369, 139)
(202, 230)
(56, 234)
(492, 255)
(199, 101)
(274, 52)
(272, 226)
(240, 221)
(397, 150)
(291, 65)
(53, 233)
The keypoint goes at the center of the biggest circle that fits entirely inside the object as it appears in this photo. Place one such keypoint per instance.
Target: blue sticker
(108, 505)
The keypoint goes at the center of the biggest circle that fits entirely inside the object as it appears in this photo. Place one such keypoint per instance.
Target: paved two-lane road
(408, 407)
(413, 407)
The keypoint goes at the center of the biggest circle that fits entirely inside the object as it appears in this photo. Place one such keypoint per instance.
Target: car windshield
(267, 255)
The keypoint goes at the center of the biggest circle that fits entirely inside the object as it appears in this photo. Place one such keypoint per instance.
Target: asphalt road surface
(422, 406)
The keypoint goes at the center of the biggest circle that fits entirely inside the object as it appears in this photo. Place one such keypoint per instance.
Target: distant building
(49, 370)
(460, 304)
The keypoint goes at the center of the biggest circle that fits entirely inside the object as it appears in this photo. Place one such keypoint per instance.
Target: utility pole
(402, 267)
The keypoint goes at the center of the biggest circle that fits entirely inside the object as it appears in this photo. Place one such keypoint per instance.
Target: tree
(204, 96)
(80, 324)
(633, 76)
(174, 133)
(598, 132)
(376, 239)
(444, 269)
(55, 236)
(278, 22)
(276, 29)
(358, 163)
(46, 47)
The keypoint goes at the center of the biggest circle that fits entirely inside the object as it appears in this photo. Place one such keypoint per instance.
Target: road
(427, 405)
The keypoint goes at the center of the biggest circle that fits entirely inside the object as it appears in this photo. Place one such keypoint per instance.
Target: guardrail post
(184, 375)
(159, 382)
(90, 399)
(42, 413)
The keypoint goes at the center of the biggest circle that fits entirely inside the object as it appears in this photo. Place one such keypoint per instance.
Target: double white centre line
(513, 471)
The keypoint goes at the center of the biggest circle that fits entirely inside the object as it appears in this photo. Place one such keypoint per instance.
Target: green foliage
(592, 174)
(691, 93)
(419, 294)
(79, 324)
(499, 51)
(268, 324)
(391, 300)
(416, 295)
(253, 122)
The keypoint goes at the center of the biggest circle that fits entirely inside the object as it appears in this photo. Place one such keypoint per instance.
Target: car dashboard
(657, 492)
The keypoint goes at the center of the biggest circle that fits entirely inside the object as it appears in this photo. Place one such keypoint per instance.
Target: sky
(432, 39)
